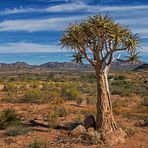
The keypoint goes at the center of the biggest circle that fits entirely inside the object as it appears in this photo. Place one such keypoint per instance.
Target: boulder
(115, 137)
(71, 126)
(89, 122)
(94, 136)
(78, 131)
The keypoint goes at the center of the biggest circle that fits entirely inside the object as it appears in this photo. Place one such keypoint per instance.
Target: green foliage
(145, 102)
(37, 96)
(8, 118)
(10, 96)
(119, 77)
(70, 93)
(61, 111)
(38, 144)
(126, 88)
(122, 88)
(36, 85)
(33, 95)
(52, 119)
(10, 86)
(17, 130)
(118, 104)
(100, 30)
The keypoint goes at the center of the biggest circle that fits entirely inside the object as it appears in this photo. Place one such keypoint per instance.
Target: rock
(116, 137)
(94, 136)
(36, 123)
(146, 122)
(89, 122)
(78, 131)
(130, 132)
(71, 126)
(83, 103)
(91, 131)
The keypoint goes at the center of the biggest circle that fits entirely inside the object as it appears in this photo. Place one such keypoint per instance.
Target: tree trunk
(104, 117)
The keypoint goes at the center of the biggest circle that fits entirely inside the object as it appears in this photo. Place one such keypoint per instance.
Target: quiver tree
(97, 39)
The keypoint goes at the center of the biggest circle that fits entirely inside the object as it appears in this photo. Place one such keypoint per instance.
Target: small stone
(94, 136)
(78, 131)
(130, 132)
(91, 131)
(83, 103)
(89, 122)
(146, 122)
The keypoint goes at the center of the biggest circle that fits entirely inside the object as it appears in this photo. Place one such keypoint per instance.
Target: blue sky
(36, 25)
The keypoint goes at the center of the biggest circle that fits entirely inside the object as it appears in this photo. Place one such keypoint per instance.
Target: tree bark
(104, 117)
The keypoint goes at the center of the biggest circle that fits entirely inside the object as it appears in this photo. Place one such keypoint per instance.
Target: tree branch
(83, 52)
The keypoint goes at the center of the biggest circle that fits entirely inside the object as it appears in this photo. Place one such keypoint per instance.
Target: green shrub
(145, 101)
(119, 77)
(48, 87)
(35, 96)
(38, 144)
(35, 84)
(10, 96)
(70, 93)
(10, 87)
(17, 130)
(8, 118)
(61, 111)
(52, 119)
(118, 104)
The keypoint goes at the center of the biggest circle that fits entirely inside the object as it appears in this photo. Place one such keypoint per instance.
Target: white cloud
(68, 7)
(145, 49)
(19, 10)
(74, 6)
(28, 47)
(32, 25)
(24, 47)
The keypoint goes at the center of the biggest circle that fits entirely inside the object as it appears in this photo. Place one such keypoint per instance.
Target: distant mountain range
(71, 66)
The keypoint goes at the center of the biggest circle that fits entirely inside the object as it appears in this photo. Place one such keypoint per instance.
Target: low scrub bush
(17, 130)
(38, 144)
(145, 101)
(118, 104)
(119, 77)
(61, 111)
(36, 96)
(10, 86)
(10, 96)
(70, 93)
(52, 119)
(8, 118)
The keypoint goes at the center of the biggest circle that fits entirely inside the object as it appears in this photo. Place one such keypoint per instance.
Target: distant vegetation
(66, 97)
(76, 86)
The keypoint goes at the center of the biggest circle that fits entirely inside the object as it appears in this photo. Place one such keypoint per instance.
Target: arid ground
(37, 108)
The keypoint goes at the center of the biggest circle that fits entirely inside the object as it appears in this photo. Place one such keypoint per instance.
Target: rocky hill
(15, 66)
(142, 67)
(69, 66)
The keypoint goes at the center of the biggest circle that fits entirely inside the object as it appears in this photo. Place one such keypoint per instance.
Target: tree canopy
(102, 37)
